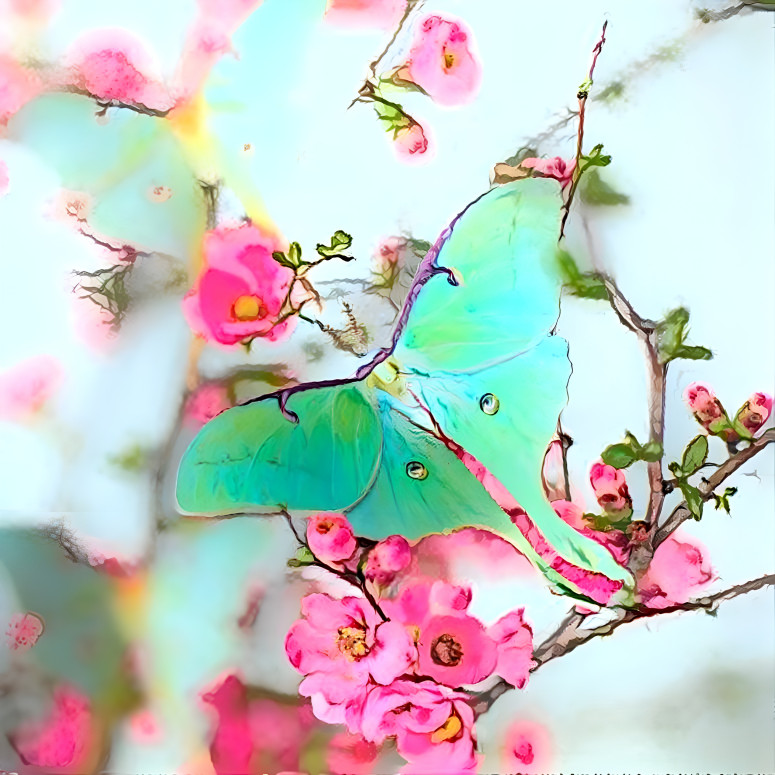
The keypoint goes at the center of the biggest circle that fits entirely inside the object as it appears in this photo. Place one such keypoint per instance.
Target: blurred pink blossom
(241, 289)
(527, 748)
(558, 168)
(279, 732)
(4, 179)
(330, 537)
(441, 62)
(678, 570)
(342, 647)
(23, 631)
(18, 85)
(111, 64)
(27, 386)
(610, 486)
(144, 728)
(64, 739)
(411, 143)
(350, 754)
(206, 402)
(513, 638)
(231, 748)
(382, 14)
(389, 255)
(433, 725)
(388, 558)
(755, 411)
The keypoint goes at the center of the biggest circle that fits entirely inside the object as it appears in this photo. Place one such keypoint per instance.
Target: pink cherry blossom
(527, 748)
(677, 571)
(206, 402)
(433, 725)
(610, 488)
(441, 62)
(18, 85)
(388, 558)
(279, 732)
(755, 411)
(144, 728)
(241, 290)
(558, 168)
(419, 602)
(350, 754)
(232, 746)
(455, 650)
(28, 385)
(64, 739)
(382, 14)
(513, 638)
(23, 631)
(342, 646)
(330, 537)
(707, 410)
(411, 143)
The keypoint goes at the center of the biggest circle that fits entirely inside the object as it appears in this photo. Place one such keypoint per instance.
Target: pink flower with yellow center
(441, 62)
(343, 647)
(241, 291)
(330, 537)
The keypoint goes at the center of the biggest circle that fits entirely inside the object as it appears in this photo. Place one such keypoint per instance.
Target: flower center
(352, 642)
(524, 752)
(451, 729)
(449, 60)
(248, 308)
(445, 650)
(324, 527)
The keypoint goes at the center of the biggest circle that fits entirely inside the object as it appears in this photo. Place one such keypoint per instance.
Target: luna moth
(446, 427)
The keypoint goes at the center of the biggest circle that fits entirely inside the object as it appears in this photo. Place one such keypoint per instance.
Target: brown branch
(568, 637)
(681, 513)
(582, 95)
(135, 107)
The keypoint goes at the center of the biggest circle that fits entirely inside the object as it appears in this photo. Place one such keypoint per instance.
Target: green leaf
(282, 259)
(594, 191)
(340, 241)
(303, 557)
(586, 286)
(722, 501)
(651, 452)
(596, 158)
(393, 115)
(604, 522)
(619, 455)
(692, 352)
(695, 455)
(693, 499)
(629, 438)
(294, 254)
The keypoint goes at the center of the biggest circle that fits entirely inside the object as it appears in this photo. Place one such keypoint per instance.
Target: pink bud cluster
(395, 671)
(710, 413)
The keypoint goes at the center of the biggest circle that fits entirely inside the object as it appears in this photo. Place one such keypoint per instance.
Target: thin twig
(568, 636)
(582, 95)
(681, 512)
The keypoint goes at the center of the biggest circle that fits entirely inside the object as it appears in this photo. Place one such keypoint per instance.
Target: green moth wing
(253, 457)
(501, 253)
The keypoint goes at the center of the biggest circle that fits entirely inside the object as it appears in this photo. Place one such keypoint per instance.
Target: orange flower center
(449, 60)
(449, 730)
(352, 642)
(248, 308)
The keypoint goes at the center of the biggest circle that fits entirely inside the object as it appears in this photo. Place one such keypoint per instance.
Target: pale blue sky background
(692, 146)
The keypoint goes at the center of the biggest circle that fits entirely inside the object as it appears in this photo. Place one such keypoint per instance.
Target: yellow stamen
(449, 730)
(247, 308)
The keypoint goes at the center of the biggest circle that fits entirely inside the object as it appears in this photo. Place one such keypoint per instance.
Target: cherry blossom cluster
(393, 669)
